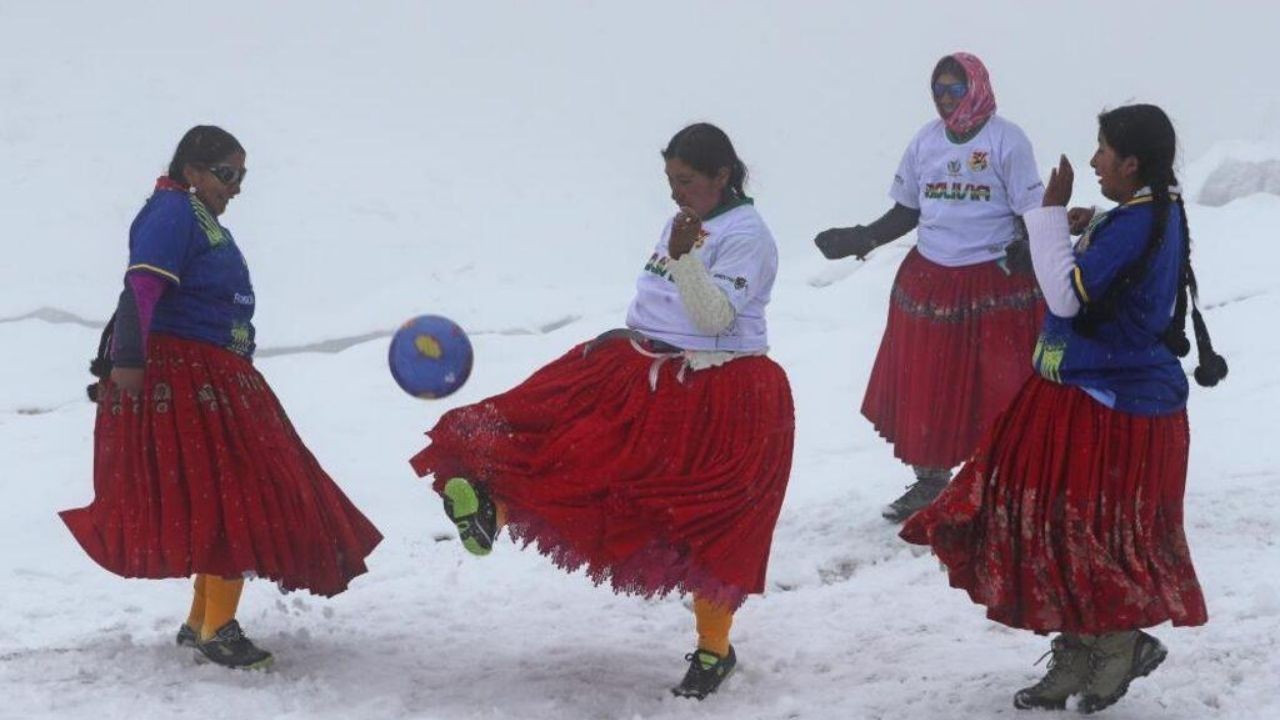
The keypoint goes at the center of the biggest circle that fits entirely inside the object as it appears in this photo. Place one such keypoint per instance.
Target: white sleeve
(745, 262)
(707, 304)
(1053, 259)
(906, 183)
(1018, 171)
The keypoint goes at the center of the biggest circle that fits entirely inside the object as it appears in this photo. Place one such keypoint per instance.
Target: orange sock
(222, 596)
(500, 515)
(713, 623)
(195, 619)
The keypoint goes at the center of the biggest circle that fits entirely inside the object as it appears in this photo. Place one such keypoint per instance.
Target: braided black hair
(706, 148)
(1144, 132)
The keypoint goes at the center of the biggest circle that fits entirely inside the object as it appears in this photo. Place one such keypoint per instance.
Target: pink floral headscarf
(979, 104)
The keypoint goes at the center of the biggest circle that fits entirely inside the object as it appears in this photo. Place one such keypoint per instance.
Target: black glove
(837, 243)
(1017, 257)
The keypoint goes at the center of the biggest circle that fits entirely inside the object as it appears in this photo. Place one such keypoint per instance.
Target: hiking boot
(1115, 660)
(230, 648)
(187, 637)
(706, 671)
(918, 495)
(474, 514)
(1068, 671)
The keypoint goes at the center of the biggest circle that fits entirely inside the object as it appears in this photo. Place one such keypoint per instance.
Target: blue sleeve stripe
(1077, 284)
(156, 270)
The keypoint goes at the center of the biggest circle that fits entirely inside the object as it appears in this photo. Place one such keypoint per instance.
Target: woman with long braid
(1068, 518)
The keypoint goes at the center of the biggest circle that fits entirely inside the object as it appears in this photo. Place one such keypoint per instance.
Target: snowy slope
(498, 164)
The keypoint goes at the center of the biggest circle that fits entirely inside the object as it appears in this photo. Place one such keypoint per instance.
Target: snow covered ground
(497, 164)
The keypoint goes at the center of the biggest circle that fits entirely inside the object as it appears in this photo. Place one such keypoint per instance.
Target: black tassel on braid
(1211, 367)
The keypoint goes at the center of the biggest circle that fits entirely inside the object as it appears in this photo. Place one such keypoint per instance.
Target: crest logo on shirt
(953, 167)
(978, 160)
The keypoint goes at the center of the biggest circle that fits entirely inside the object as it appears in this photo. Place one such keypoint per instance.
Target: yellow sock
(222, 596)
(195, 619)
(713, 623)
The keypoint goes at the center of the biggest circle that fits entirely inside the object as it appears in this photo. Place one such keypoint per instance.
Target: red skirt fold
(956, 348)
(653, 478)
(1069, 518)
(203, 473)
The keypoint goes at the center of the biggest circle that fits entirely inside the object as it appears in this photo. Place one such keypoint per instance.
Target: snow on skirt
(957, 347)
(655, 477)
(203, 473)
(1069, 518)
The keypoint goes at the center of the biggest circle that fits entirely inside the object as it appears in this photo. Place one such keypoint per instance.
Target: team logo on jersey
(953, 167)
(658, 266)
(978, 160)
(739, 282)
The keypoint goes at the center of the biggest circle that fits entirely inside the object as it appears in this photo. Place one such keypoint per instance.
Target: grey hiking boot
(1115, 660)
(929, 482)
(1068, 672)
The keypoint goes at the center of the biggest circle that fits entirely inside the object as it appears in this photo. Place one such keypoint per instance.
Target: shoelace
(1054, 667)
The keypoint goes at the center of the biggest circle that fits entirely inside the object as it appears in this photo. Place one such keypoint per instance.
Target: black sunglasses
(228, 174)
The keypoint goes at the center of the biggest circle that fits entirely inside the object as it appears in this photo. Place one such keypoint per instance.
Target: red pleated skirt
(203, 473)
(652, 477)
(956, 348)
(1069, 518)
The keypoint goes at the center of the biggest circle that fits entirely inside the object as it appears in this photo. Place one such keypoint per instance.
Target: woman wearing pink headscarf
(965, 309)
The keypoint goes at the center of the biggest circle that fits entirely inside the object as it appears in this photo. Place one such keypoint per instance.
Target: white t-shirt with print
(742, 259)
(968, 194)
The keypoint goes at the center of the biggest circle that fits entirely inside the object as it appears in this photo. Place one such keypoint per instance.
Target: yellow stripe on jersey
(158, 271)
(1078, 278)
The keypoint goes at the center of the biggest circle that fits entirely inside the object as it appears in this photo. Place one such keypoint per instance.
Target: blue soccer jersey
(1125, 364)
(177, 238)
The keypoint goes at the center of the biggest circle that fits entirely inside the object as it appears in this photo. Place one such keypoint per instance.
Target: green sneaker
(474, 514)
(1068, 671)
(1115, 660)
(707, 671)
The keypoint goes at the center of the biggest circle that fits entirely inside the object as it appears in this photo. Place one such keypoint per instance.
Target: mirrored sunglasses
(956, 90)
(228, 174)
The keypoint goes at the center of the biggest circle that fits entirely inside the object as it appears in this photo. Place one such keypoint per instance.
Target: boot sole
(263, 664)
(1090, 705)
(1045, 705)
(461, 503)
(696, 696)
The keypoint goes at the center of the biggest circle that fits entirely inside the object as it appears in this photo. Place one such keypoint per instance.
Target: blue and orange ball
(430, 357)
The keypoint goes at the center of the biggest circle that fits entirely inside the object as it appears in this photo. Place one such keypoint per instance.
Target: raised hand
(1078, 218)
(684, 233)
(1057, 192)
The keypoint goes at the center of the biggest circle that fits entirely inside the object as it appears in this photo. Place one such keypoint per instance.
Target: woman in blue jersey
(1068, 518)
(197, 469)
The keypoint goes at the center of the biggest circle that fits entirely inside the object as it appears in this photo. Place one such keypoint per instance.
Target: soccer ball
(430, 357)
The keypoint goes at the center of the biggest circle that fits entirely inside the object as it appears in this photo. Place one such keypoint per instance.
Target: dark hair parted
(1145, 133)
(202, 145)
(706, 148)
(951, 65)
